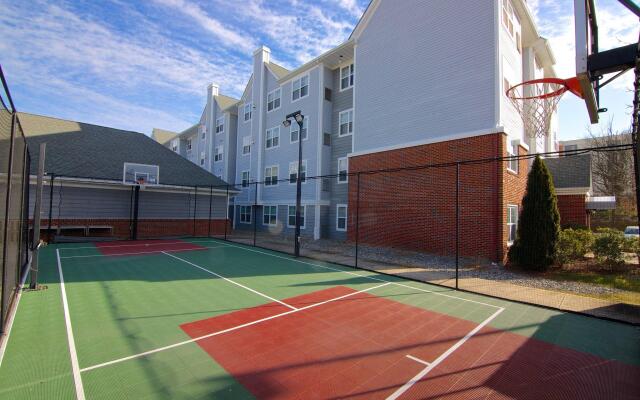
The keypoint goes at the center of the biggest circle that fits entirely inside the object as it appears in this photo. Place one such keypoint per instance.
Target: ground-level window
(270, 215)
(341, 217)
(245, 214)
(512, 223)
(343, 167)
(245, 178)
(291, 221)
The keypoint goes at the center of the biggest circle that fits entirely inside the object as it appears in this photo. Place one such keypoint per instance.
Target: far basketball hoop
(537, 99)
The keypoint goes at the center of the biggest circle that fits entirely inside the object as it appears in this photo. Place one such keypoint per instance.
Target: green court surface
(131, 305)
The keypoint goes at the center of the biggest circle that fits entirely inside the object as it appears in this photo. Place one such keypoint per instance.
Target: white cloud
(226, 35)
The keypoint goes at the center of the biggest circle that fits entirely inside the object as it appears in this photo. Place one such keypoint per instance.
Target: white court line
(72, 346)
(416, 359)
(364, 276)
(143, 252)
(442, 357)
(230, 281)
(123, 245)
(4, 341)
(171, 346)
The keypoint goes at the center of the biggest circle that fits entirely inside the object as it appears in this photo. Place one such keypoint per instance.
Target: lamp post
(287, 122)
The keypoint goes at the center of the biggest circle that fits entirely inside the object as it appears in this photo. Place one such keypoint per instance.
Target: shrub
(607, 246)
(573, 244)
(631, 245)
(539, 224)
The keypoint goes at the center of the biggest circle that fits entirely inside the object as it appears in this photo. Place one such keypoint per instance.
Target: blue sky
(143, 64)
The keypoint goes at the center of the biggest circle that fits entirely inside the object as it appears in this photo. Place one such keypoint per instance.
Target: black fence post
(4, 297)
(457, 221)
(255, 214)
(357, 216)
(195, 208)
(136, 204)
(226, 213)
(131, 206)
(49, 235)
(209, 220)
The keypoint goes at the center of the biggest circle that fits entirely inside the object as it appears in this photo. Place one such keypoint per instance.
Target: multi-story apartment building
(416, 83)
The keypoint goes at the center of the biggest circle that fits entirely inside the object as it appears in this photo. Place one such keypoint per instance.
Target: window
(327, 94)
(300, 88)
(343, 170)
(291, 220)
(512, 223)
(273, 100)
(174, 145)
(326, 139)
(245, 214)
(346, 77)
(270, 215)
(220, 125)
(202, 157)
(346, 122)
(295, 128)
(571, 147)
(247, 111)
(341, 217)
(218, 154)
(189, 144)
(273, 138)
(511, 22)
(513, 163)
(271, 176)
(203, 131)
(245, 178)
(246, 145)
(293, 172)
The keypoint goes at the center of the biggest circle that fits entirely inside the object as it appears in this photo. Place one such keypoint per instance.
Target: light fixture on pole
(287, 123)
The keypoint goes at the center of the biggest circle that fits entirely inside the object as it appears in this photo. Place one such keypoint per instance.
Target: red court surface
(132, 247)
(357, 347)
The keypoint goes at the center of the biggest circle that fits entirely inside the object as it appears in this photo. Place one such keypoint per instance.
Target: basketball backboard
(586, 31)
(140, 174)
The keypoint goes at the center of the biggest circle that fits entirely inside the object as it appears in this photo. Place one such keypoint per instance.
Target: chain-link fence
(14, 192)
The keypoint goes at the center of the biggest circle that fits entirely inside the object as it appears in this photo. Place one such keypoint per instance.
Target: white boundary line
(202, 248)
(362, 276)
(416, 359)
(122, 245)
(442, 357)
(4, 340)
(229, 280)
(72, 346)
(171, 346)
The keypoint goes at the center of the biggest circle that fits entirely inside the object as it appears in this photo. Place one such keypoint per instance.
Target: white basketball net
(536, 102)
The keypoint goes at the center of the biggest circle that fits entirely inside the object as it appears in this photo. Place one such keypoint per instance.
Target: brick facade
(147, 228)
(573, 211)
(416, 209)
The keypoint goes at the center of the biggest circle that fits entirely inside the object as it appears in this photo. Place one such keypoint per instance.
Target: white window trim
(338, 177)
(351, 85)
(243, 145)
(250, 112)
(295, 163)
(277, 176)
(250, 215)
(510, 242)
(216, 127)
(510, 153)
(304, 216)
(263, 214)
(308, 84)
(279, 97)
(295, 125)
(515, 21)
(218, 156)
(339, 124)
(242, 178)
(265, 138)
(346, 217)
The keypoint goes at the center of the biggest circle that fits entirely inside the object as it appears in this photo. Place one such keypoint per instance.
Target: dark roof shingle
(570, 171)
(76, 149)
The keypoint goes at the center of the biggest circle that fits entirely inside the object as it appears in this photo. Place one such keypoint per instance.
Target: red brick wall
(573, 210)
(147, 228)
(415, 209)
(514, 187)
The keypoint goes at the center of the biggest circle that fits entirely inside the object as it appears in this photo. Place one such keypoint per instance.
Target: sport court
(205, 318)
